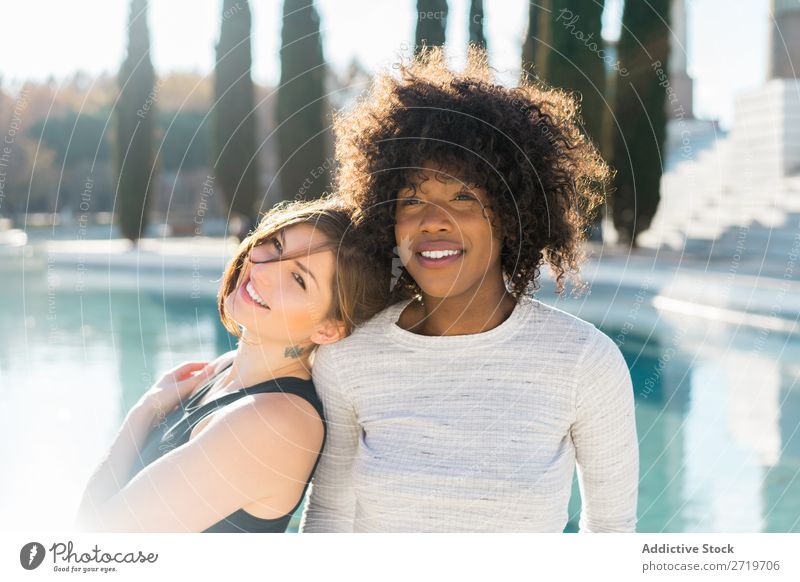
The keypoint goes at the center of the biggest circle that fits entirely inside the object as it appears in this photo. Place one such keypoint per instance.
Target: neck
(467, 313)
(259, 362)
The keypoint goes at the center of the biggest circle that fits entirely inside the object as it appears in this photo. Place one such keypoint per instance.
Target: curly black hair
(523, 145)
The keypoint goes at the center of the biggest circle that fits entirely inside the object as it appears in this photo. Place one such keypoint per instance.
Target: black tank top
(175, 429)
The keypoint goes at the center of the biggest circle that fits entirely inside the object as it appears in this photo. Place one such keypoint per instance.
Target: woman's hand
(175, 386)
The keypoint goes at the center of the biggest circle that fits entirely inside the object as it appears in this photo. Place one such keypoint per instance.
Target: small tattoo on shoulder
(293, 352)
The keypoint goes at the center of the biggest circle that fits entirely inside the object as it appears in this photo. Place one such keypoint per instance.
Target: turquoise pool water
(717, 406)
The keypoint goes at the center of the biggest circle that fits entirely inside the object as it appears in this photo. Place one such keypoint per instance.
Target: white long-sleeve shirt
(475, 433)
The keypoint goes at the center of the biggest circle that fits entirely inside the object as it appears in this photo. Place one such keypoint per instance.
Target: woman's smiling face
(444, 234)
(277, 299)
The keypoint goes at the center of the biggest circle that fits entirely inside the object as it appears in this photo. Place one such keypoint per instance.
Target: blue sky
(726, 45)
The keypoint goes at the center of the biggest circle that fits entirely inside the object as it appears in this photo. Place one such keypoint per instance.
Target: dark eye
(409, 201)
(278, 246)
(465, 196)
(299, 279)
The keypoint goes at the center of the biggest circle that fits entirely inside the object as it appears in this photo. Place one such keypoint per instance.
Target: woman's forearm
(113, 473)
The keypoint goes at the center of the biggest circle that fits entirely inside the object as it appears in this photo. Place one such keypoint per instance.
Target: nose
(435, 218)
(261, 274)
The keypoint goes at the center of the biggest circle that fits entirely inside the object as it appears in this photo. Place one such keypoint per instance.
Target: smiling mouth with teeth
(440, 254)
(251, 291)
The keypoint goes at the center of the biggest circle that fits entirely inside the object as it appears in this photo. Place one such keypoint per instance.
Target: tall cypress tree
(562, 47)
(534, 47)
(574, 63)
(476, 34)
(641, 125)
(431, 23)
(135, 119)
(234, 139)
(303, 128)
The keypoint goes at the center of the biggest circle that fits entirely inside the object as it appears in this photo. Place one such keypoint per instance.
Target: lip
(438, 245)
(246, 296)
(438, 263)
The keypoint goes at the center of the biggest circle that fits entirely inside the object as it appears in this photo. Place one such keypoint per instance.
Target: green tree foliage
(185, 144)
(303, 127)
(75, 137)
(564, 48)
(641, 120)
(575, 61)
(476, 34)
(79, 143)
(134, 112)
(234, 140)
(431, 23)
(535, 45)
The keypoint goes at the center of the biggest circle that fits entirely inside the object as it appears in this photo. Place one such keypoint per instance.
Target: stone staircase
(724, 199)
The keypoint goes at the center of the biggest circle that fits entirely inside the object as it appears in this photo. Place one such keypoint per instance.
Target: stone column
(784, 30)
(680, 80)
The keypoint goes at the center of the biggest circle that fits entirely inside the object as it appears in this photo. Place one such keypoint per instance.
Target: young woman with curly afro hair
(468, 404)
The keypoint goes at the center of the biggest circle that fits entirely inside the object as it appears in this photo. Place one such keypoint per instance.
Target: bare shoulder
(271, 419)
